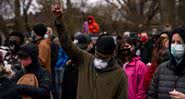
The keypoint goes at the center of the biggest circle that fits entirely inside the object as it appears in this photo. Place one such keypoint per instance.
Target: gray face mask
(100, 64)
(177, 51)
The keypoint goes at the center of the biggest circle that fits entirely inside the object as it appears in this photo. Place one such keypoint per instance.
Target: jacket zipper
(175, 84)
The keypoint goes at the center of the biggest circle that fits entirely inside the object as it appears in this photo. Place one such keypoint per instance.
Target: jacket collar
(134, 60)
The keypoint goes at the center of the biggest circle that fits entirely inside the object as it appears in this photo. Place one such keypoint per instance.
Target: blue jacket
(62, 58)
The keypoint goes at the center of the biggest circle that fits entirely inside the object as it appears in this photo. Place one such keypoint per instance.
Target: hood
(92, 18)
(177, 67)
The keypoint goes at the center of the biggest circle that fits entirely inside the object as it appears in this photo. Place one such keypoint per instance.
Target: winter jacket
(146, 52)
(70, 82)
(54, 55)
(8, 89)
(169, 75)
(135, 73)
(42, 75)
(162, 56)
(45, 54)
(165, 80)
(93, 26)
(62, 58)
(110, 83)
(148, 76)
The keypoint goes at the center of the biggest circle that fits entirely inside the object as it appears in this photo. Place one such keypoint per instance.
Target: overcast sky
(32, 10)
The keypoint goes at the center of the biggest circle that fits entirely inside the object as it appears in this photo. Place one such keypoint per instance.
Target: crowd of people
(134, 66)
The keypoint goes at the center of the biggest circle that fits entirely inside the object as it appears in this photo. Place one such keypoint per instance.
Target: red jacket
(93, 26)
(148, 76)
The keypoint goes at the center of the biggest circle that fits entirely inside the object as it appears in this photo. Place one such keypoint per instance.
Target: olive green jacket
(110, 83)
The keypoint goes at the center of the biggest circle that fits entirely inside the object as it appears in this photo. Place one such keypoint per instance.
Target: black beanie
(105, 45)
(40, 29)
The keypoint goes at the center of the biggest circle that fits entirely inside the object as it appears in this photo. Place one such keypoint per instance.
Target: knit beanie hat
(40, 29)
(105, 45)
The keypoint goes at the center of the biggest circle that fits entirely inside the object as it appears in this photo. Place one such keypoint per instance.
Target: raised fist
(57, 10)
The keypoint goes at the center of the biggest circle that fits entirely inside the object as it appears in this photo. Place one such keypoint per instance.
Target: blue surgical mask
(100, 64)
(177, 50)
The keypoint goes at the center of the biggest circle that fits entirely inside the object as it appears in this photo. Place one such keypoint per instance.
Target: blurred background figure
(92, 25)
(35, 82)
(8, 89)
(146, 48)
(39, 31)
(160, 54)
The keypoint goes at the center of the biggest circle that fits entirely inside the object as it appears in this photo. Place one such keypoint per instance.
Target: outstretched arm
(75, 53)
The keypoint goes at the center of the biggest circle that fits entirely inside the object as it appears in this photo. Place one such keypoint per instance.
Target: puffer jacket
(110, 83)
(93, 26)
(169, 75)
(165, 80)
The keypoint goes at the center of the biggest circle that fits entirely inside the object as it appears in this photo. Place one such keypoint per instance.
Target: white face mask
(138, 52)
(177, 51)
(100, 64)
(46, 36)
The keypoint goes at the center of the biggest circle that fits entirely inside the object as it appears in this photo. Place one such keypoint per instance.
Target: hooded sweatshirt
(110, 83)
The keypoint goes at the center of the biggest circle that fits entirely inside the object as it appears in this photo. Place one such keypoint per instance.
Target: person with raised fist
(100, 76)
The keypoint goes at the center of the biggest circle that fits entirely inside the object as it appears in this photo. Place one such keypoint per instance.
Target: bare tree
(167, 13)
(181, 14)
(136, 12)
(17, 11)
(26, 6)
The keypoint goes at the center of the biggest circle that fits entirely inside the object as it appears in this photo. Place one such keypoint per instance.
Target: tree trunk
(181, 14)
(167, 13)
(18, 21)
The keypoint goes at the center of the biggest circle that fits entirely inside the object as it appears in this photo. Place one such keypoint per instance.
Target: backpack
(28, 79)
